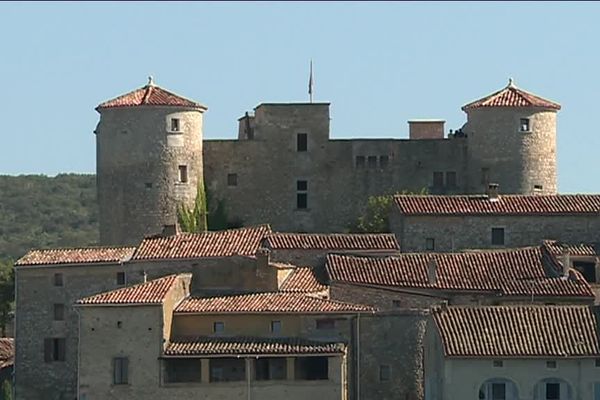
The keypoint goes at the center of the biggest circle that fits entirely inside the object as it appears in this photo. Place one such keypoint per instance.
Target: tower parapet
(148, 161)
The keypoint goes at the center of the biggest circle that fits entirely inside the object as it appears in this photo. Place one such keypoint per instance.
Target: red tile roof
(76, 256)
(512, 96)
(7, 352)
(243, 241)
(150, 95)
(152, 292)
(557, 248)
(504, 205)
(519, 331)
(515, 272)
(302, 280)
(266, 303)
(332, 241)
(212, 346)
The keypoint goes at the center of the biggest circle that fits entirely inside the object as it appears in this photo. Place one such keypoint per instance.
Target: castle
(285, 170)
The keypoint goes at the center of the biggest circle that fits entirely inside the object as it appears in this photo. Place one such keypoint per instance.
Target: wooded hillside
(38, 211)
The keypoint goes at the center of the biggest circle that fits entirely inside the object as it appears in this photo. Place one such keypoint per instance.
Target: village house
(452, 223)
(513, 352)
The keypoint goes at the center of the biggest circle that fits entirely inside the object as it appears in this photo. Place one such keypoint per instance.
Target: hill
(37, 211)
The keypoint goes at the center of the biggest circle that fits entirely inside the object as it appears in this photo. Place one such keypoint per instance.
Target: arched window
(498, 389)
(553, 389)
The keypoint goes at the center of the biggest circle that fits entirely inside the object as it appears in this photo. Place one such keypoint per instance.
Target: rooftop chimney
(566, 262)
(432, 271)
(419, 129)
(170, 230)
(262, 258)
(492, 191)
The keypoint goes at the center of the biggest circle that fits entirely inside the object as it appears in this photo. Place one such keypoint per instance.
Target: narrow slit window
(524, 125)
(302, 142)
(58, 279)
(174, 124)
(59, 312)
(120, 278)
(438, 179)
(183, 174)
(301, 194)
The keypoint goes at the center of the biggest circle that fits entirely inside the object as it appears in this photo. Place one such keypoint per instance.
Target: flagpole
(310, 83)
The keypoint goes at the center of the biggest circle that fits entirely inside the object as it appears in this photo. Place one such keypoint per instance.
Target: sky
(378, 63)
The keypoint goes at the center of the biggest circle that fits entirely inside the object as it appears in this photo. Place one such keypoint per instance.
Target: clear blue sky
(379, 64)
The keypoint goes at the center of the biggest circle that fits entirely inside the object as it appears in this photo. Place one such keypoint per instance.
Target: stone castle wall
(138, 161)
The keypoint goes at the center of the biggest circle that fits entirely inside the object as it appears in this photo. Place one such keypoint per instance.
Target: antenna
(311, 82)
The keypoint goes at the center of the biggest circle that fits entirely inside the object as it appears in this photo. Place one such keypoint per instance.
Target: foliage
(375, 218)
(38, 211)
(6, 393)
(194, 220)
(7, 294)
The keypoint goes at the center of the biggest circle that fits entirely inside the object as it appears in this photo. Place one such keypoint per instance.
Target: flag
(310, 82)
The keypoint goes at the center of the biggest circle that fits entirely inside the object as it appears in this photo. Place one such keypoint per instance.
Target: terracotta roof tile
(76, 256)
(152, 292)
(204, 346)
(505, 205)
(302, 280)
(332, 241)
(266, 303)
(150, 95)
(557, 248)
(512, 96)
(7, 352)
(519, 331)
(515, 272)
(243, 241)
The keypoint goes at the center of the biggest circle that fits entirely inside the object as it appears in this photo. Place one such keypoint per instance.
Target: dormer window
(174, 124)
(524, 125)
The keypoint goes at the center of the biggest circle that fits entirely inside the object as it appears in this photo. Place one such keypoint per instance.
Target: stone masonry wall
(138, 161)
(454, 233)
(340, 174)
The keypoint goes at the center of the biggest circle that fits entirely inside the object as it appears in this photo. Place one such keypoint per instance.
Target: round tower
(511, 138)
(148, 162)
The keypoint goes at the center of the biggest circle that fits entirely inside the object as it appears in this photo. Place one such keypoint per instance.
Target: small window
(302, 185)
(384, 161)
(498, 236)
(451, 179)
(360, 161)
(430, 244)
(174, 124)
(59, 312)
(58, 279)
(218, 327)
(231, 179)
(276, 327)
(326, 324)
(498, 391)
(120, 278)
(438, 179)
(498, 363)
(551, 364)
(397, 303)
(54, 349)
(372, 161)
(485, 176)
(183, 174)
(538, 187)
(384, 373)
(148, 185)
(524, 125)
(302, 142)
(552, 391)
(121, 373)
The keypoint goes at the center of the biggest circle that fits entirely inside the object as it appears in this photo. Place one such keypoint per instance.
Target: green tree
(194, 220)
(6, 390)
(7, 294)
(375, 218)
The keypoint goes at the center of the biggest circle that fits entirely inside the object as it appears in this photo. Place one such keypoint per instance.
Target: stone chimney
(170, 230)
(492, 191)
(262, 258)
(420, 129)
(432, 271)
(566, 262)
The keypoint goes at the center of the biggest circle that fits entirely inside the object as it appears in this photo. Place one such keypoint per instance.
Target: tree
(7, 293)
(6, 391)
(194, 220)
(375, 218)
